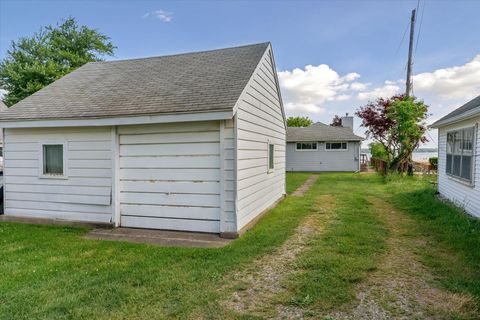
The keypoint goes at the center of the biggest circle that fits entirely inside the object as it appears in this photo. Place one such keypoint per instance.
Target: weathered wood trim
(75, 223)
(112, 121)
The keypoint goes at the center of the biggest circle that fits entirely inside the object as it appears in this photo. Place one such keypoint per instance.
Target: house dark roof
(321, 132)
(193, 82)
(469, 106)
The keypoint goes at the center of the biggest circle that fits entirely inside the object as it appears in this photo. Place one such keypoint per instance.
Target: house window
(301, 146)
(271, 156)
(336, 146)
(53, 160)
(460, 146)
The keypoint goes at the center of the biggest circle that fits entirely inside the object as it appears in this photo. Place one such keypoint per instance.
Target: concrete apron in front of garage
(160, 237)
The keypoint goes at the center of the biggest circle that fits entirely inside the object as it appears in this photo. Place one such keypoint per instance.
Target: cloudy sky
(332, 56)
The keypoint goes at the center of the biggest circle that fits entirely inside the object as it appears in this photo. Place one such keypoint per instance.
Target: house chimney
(347, 122)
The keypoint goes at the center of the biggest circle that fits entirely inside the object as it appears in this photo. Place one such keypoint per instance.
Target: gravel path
(305, 186)
(254, 288)
(402, 287)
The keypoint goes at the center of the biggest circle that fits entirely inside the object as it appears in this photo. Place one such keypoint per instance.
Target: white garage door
(169, 176)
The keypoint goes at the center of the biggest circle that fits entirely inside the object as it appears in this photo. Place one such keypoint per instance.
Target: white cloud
(456, 82)
(307, 90)
(441, 85)
(162, 15)
(388, 89)
(320, 92)
(303, 108)
(358, 86)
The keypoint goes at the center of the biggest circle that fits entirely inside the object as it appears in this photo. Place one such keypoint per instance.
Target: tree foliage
(377, 150)
(336, 121)
(299, 121)
(34, 62)
(398, 124)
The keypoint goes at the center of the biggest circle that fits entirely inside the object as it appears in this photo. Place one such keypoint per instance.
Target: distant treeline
(366, 150)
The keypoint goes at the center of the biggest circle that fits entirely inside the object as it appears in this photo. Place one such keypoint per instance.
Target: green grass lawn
(295, 180)
(52, 272)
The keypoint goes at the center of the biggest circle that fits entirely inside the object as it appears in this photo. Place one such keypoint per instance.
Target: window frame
(306, 150)
(450, 175)
(336, 150)
(269, 158)
(41, 173)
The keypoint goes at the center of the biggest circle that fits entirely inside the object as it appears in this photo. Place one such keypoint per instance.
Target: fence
(379, 165)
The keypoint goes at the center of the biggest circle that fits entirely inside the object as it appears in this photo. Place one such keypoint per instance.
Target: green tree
(299, 121)
(398, 124)
(409, 116)
(34, 62)
(377, 150)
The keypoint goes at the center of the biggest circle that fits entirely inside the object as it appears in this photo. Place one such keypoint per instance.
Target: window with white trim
(460, 157)
(309, 146)
(271, 156)
(336, 146)
(53, 160)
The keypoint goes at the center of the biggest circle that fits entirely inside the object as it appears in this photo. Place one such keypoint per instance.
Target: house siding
(85, 195)
(465, 196)
(260, 121)
(229, 220)
(322, 160)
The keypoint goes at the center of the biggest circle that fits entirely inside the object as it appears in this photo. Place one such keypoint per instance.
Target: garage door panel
(179, 137)
(171, 224)
(173, 162)
(170, 174)
(203, 187)
(174, 149)
(170, 212)
(193, 200)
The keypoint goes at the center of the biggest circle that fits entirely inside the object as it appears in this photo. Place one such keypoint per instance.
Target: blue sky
(351, 46)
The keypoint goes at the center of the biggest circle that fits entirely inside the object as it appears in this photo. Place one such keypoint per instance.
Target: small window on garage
(53, 160)
(271, 156)
(331, 146)
(306, 146)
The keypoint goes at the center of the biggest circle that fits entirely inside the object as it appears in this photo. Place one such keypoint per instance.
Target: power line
(420, 26)
(418, 36)
(396, 53)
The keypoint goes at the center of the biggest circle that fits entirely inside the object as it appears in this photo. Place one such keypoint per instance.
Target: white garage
(189, 142)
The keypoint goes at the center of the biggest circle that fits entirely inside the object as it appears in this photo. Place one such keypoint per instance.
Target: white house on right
(458, 156)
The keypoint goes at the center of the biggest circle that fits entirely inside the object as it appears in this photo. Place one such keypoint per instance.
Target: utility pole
(409, 77)
(410, 49)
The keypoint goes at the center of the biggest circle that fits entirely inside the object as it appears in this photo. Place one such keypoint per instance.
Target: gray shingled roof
(321, 132)
(3, 107)
(192, 82)
(471, 105)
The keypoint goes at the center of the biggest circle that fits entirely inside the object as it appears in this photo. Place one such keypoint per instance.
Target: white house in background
(458, 156)
(321, 147)
(192, 142)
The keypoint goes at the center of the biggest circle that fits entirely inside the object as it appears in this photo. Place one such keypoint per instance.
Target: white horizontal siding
(322, 160)
(85, 195)
(170, 176)
(259, 122)
(229, 217)
(465, 196)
